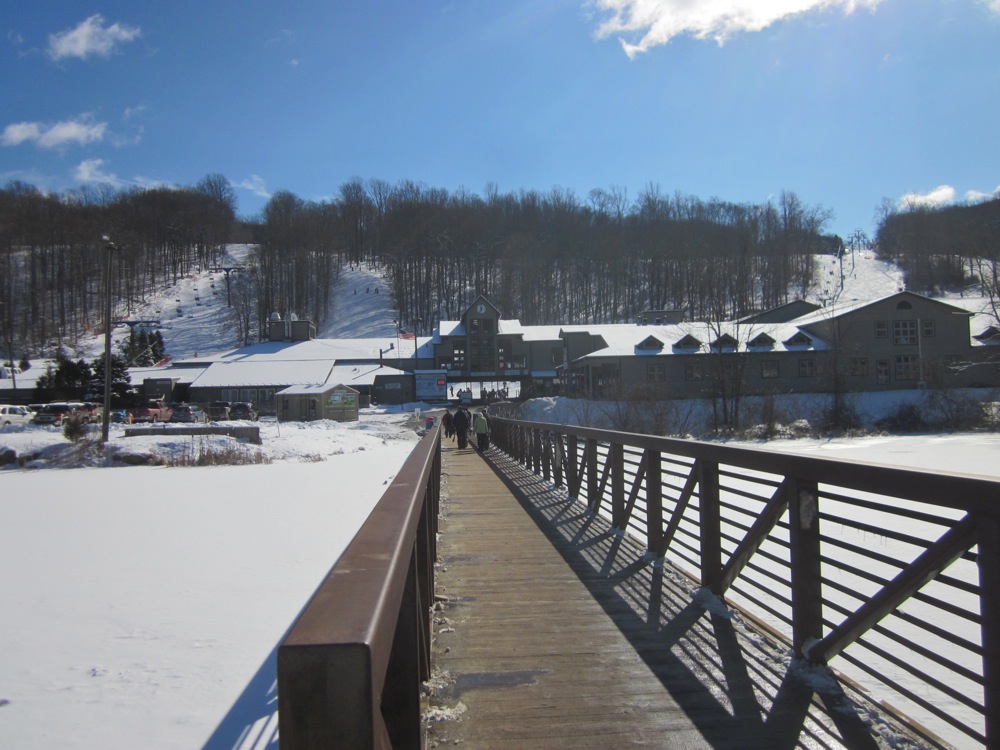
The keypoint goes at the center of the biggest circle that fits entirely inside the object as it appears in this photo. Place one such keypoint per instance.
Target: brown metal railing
(350, 669)
(890, 576)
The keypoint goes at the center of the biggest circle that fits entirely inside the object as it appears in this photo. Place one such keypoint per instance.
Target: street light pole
(106, 421)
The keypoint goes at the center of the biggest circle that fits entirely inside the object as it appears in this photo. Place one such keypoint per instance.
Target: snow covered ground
(142, 605)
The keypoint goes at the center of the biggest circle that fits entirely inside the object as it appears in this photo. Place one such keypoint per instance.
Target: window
(266, 395)
(693, 371)
(881, 329)
(907, 367)
(230, 394)
(248, 394)
(904, 332)
(520, 362)
(655, 373)
(882, 371)
(458, 356)
(927, 328)
(769, 368)
(859, 366)
(807, 368)
(503, 355)
(557, 355)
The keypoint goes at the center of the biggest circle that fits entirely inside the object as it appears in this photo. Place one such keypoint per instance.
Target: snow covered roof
(264, 373)
(358, 374)
(694, 337)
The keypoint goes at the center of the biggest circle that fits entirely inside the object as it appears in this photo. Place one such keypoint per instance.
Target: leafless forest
(551, 257)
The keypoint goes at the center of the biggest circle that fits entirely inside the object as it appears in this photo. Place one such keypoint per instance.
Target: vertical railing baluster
(654, 501)
(557, 457)
(806, 575)
(572, 465)
(617, 457)
(988, 528)
(593, 499)
(546, 454)
(711, 525)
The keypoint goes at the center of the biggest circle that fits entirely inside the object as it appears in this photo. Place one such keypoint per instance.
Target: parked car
(11, 415)
(56, 412)
(189, 413)
(218, 410)
(242, 410)
(119, 415)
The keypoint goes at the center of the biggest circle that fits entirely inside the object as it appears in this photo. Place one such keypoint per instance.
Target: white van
(10, 415)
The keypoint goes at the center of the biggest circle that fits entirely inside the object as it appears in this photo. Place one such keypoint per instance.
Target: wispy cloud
(92, 170)
(255, 184)
(79, 131)
(656, 22)
(91, 37)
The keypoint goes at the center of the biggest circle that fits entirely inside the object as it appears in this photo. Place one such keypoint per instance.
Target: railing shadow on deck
(743, 527)
(738, 686)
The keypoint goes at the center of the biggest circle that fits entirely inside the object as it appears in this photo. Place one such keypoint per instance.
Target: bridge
(587, 588)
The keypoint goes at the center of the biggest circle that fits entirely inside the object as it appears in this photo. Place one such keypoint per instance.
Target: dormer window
(650, 343)
(799, 339)
(904, 305)
(688, 342)
(725, 341)
(762, 340)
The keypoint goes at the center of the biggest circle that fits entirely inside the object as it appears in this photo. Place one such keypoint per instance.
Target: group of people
(462, 423)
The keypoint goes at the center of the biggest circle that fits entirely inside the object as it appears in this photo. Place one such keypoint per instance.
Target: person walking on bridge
(461, 424)
(481, 424)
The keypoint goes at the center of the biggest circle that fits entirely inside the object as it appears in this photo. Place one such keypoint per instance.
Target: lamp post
(106, 421)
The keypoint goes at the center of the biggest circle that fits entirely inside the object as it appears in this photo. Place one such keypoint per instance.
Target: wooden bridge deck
(553, 631)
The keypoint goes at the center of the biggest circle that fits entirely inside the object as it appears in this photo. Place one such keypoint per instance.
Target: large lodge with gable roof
(902, 341)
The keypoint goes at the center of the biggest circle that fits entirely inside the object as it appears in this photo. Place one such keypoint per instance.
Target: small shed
(305, 403)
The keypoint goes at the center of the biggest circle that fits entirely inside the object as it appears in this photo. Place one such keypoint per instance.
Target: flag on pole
(407, 336)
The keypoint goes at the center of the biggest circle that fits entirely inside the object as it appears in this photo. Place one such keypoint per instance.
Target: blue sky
(847, 103)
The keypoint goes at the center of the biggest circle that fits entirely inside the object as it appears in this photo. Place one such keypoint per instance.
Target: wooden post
(711, 525)
(654, 501)
(806, 576)
(617, 458)
(988, 528)
(593, 498)
(572, 465)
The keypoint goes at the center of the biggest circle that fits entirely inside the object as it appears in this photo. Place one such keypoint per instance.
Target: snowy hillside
(194, 317)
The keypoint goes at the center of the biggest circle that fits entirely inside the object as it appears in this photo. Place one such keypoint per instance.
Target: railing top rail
(952, 490)
(358, 600)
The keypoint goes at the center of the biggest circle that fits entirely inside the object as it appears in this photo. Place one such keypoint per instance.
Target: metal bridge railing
(350, 669)
(889, 576)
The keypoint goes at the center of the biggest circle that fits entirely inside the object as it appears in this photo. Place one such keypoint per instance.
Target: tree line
(542, 257)
(947, 248)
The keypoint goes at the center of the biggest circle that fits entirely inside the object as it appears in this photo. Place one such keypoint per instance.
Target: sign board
(431, 386)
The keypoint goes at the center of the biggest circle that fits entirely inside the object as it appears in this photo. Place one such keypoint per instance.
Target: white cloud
(975, 196)
(939, 196)
(90, 37)
(656, 22)
(993, 5)
(92, 170)
(79, 131)
(255, 184)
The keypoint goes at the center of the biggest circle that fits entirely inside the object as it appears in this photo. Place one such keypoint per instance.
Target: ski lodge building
(899, 342)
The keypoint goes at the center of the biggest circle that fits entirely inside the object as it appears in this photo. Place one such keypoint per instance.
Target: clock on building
(480, 308)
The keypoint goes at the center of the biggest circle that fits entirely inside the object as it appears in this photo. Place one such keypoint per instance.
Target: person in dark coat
(449, 425)
(461, 424)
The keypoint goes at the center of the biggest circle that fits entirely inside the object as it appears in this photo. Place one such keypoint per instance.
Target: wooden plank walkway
(553, 631)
